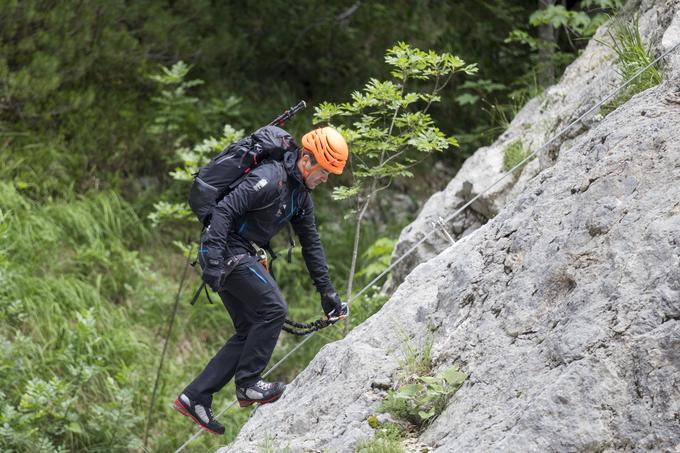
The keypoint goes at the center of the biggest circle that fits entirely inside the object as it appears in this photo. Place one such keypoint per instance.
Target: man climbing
(242, 223)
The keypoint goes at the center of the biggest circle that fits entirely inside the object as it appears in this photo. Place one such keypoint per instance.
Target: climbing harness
(449, 218)
(261, 255)
(262, 258)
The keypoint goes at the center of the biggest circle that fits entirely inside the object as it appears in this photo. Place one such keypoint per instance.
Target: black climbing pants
(257, 309)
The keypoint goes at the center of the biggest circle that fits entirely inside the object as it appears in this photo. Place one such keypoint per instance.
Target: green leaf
(467, 99)
(522, 37)
(595, 23)
(409, 390)
(484, 86)
(604, 4)
(381, 247)
(75, 427)
(557, 16)
(344, 192)
(471, 69)
(324, 112)
(437, 388)
(428, 379)
(21, 185)
(426, 415)
(428, 140)
(579, 21)
(453, 376)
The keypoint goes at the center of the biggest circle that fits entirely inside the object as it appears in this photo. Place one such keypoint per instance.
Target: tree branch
(394, 117)
(437, 89)
(392, 157)
(348, 13)
(380, 189)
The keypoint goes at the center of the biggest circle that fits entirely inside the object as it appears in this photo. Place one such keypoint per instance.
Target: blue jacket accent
(264, 280)
(291, 212)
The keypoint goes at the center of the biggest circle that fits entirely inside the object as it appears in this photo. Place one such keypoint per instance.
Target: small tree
(182, 117)
(560, 31)
(388, 126)
(191, 160)
(179, 115)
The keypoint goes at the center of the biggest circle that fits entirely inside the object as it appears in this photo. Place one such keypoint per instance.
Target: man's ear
(306, 161)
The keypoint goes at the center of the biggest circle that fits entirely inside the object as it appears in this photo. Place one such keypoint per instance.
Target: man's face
(315, 174)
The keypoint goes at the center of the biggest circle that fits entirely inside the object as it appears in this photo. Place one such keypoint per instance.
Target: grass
(81, 310)
(59, 259)
(380, 445)
(631, 57)
(267, 446)
(514, 153)
(416, 358)
(86, 290)
(387, 439)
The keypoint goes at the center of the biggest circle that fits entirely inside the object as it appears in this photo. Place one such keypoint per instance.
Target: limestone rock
(540, 119)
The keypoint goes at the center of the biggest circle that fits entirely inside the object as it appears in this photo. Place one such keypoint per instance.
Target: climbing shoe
(260, 392)
(198, 413)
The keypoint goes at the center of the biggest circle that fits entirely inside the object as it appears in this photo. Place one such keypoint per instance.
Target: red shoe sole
(245, 403)
(180, 408)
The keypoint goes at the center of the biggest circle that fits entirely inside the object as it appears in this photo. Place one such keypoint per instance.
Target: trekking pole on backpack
(279, 121)
(288, 114)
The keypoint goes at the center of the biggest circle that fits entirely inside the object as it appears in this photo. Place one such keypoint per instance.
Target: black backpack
(226, 170)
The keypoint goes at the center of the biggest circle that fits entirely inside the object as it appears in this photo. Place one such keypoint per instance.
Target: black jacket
(272, 195)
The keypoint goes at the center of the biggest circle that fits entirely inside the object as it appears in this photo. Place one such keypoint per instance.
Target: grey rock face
(570, 331)
(585, 82)
(564, 308)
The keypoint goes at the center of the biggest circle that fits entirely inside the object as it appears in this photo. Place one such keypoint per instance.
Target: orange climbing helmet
(328, 147)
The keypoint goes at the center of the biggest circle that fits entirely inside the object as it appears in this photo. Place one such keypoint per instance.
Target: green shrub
(380, 445)
(80, 313)
(514, 153)
(387, 439)
(66, 351)
(631, 56)
(421, 402)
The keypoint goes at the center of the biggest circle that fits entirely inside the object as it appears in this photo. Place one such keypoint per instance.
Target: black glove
(330, 302)
(213, 269)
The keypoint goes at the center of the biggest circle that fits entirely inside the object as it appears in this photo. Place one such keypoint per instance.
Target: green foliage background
(90, 127)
